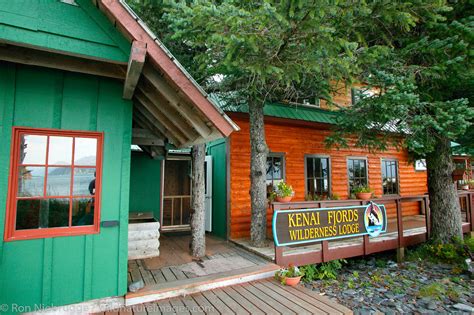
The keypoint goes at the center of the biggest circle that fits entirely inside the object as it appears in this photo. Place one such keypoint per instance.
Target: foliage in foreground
(322, 271)
(452, 253)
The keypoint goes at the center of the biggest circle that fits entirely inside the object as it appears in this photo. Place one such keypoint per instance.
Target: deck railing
(370, 246)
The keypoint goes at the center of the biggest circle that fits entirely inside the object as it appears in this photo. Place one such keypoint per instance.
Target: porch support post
(198, 236)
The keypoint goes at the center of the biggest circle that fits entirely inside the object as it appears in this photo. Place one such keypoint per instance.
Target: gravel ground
(381, 285)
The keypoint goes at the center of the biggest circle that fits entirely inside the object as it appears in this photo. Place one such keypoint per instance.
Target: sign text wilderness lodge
(311, 225)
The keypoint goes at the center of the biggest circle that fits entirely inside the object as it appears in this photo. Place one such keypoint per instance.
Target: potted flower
(289, 276)
(284, 192)
(471, 183)
(363, 192)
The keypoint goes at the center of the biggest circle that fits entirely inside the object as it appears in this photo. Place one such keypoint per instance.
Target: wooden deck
(257, 297)
(175, 263)
(413, 225)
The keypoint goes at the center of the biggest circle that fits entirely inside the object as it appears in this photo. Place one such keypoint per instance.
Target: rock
(431, 305)
(463, 307)
(135, 286)
(381, 290)
(349, 292)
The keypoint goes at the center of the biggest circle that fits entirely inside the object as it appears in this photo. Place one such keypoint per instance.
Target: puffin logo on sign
(373, 220)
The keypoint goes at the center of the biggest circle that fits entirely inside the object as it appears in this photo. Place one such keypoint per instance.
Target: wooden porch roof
(167, 101)
(169, 106)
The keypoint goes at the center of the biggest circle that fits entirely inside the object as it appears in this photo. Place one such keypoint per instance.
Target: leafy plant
(362, 189)
(323, 271)
(291, 272)
(283, 190)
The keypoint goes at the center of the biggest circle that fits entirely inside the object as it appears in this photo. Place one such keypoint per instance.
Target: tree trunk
(198, 234)
(444, 201)
(258, 165)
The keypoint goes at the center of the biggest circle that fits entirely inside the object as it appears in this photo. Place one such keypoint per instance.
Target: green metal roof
(52, 25)
(288, 111)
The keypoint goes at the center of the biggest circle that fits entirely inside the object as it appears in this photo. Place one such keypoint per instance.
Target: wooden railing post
(471, 210)
(427, 217)
(324, 250)
(401, 242)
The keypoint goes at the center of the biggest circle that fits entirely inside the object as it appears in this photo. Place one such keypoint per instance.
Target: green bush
(452, 253)
(322, 271)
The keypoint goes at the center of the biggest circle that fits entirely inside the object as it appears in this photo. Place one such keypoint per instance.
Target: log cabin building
(295, 135)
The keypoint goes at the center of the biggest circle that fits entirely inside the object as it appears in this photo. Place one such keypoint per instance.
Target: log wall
(295, 139)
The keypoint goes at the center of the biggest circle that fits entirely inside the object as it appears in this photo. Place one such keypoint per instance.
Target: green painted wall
(65, 270)
(145, 184)
(217, 149)
(51, 24)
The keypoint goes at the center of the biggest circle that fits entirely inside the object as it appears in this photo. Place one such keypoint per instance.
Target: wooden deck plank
(220, 306)
(323, 299)
(230, 302)
(165, 307)
(191, 305)
(147, 276)
(168, 274)
(311, 306)
(254, 310)
(315, 299)
(281, 307)
(152, 309)
(280, 299)
(207, 307)
(178, 273)
(158, 276)
(257, 301)
(179, 306)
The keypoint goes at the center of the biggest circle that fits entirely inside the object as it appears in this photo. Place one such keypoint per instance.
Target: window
(54, 187)
(357, 173)
(390, 177)
(317, 176)
(275, 170)
(358, 93)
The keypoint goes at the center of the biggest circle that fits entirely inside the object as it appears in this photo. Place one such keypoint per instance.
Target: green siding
(65, 270)
(50, 24)
(217, 149)
(145, 184)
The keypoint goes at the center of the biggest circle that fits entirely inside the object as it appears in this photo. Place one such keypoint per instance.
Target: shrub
(322, 271)
(433, 290)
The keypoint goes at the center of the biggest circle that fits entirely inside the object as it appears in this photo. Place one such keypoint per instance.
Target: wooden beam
(147, 141)
(41, 58)
(148, 121)
(166, 109)
(178, 132)
(173, 98)
(144, 133)
(134, 68)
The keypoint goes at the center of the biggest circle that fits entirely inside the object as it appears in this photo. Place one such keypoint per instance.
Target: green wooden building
(92, 106)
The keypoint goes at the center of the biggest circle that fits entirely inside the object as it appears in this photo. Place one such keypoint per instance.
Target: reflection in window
(317, 177)
(30, 181)
(55, 180)
(390, 177)
(275, 170)
(60, 151)
(357, 173)
(32, 149)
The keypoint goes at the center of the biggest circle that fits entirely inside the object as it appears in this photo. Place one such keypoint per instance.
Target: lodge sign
(301, 226)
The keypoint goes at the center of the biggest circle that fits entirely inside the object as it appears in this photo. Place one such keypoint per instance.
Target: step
(194, 285)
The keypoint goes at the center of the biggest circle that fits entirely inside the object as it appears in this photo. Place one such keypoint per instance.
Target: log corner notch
(134, 68)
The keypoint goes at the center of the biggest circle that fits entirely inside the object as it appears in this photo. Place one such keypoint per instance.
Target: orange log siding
(295, 139)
